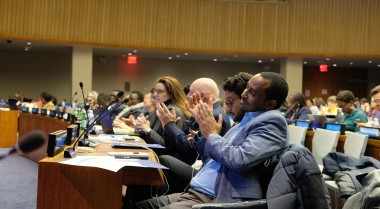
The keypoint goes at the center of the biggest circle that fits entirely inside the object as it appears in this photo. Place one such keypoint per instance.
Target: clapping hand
(165, 115)
(143, 124)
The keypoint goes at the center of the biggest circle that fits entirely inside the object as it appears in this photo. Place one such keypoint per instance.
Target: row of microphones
(72, 98)
(27, 143)
(70, 152)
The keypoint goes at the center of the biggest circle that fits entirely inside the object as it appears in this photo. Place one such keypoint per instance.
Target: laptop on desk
(108, 128)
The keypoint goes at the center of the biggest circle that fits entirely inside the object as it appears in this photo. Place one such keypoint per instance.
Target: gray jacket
(297, 182)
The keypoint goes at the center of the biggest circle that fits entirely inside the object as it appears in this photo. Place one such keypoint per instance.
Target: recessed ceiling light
(327, 59)
(123, 55)
(215, 60)
(170, 58)
(335, 65)
(378, 65)
(186, 53)
(129, 54)
(305, 63)
(259, 61)
(236, 56)
(134, 51)
(177, 55)
(351, 63)
(369, 61)
(272, 59)
(29, 43)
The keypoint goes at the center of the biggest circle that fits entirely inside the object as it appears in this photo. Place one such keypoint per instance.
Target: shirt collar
(248, 116)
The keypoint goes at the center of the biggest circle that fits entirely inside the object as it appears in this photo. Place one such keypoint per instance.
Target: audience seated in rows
(297, 108)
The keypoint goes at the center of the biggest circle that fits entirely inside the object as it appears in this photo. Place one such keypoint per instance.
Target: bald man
(177, 139)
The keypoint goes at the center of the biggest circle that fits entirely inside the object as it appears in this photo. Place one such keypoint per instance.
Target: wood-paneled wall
(307, 27)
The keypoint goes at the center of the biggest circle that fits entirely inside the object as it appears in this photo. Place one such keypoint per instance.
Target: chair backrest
(296, 134)
(355, 145)
(324, 142)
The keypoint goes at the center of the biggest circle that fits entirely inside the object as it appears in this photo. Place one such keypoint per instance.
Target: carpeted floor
(18, 182)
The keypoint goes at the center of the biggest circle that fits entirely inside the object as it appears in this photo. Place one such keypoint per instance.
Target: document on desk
(112, 138)
(111, 163)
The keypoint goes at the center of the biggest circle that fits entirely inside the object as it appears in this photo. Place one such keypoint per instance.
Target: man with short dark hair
(352, 115)
(230, 175)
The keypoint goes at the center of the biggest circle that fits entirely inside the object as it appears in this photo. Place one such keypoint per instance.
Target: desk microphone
(28, 143)
(86, 107)
(72, 98)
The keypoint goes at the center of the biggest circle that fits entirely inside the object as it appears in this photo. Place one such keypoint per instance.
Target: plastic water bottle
(83, 121)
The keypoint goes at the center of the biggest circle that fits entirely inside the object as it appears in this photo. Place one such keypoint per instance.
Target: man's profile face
(133, 99)
(232, 101)
(253, 97)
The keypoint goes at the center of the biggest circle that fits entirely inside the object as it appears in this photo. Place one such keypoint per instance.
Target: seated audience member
(352, 115)
(118, 106)
(332, 106)
(297, 108)
(103, 100)
(135, 105)
(179, 174)
(375, 108)
(91, 99)
(230, 175)
(314, 109)
(177, 138)
(364, 105)
(130, 122)
(168, 91)
(47, 101)
(320, 103)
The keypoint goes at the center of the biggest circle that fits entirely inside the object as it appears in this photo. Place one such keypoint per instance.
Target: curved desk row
(373, 145)
(28, 122)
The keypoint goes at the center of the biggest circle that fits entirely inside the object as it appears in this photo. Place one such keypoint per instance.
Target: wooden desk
(29, 122)
(64, 186)
(8, 128)
(373, 145)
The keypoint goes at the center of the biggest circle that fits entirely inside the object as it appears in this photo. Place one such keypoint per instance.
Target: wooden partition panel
(8, 128)
(341, 27)
(29, 122)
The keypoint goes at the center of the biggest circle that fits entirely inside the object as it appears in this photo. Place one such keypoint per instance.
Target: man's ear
(270, 105)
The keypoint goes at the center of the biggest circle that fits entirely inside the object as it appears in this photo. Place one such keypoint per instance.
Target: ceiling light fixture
(134, 51)
(335, 65)
(177, 55)
(259, 61)
(272, 59)
(215, 60)
(29, 43)
(186, 53)
(170, 58)
(369, 61)
(305, 63)
(351, 63)
(327, 59)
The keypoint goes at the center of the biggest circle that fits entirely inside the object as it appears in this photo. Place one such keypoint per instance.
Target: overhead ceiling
(8, 45)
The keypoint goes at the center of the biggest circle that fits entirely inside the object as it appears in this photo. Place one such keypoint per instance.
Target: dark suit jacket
(261, 138)
(177, 137)
(301, 114)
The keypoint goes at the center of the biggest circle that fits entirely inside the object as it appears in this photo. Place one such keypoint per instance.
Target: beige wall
(37, 72)
(34, 73)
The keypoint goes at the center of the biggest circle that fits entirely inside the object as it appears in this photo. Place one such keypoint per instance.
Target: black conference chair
(299, 172)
